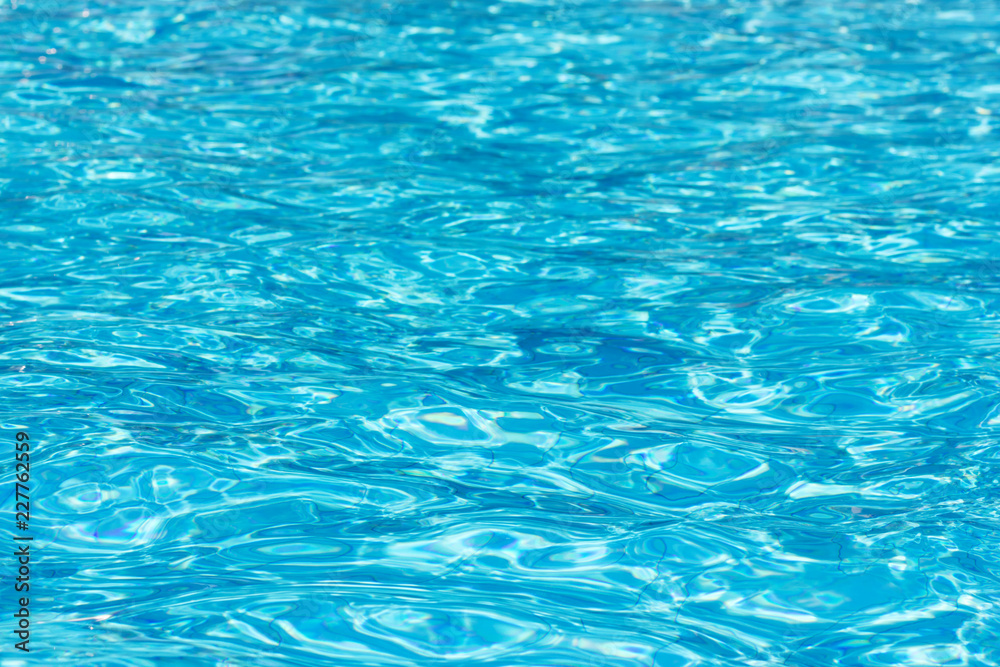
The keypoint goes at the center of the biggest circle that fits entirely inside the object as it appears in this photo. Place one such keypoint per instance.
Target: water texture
(503, 333)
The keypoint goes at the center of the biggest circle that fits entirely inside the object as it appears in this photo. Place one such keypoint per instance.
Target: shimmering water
(546, 334)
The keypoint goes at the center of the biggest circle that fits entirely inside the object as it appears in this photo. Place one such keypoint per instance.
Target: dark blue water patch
(93, 82)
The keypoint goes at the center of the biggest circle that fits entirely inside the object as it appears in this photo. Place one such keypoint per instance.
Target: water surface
(504, 333)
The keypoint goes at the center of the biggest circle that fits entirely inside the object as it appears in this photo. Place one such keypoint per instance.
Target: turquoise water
(530, 333)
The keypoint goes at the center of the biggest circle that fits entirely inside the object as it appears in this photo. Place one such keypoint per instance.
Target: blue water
(503, 333)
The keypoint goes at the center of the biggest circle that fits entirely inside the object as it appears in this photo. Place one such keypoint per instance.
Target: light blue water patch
(535, 333)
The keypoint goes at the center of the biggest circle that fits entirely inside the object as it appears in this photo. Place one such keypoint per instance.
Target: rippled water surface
(513, 333)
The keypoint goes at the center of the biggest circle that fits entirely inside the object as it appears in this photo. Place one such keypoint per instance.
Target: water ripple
(510, 333)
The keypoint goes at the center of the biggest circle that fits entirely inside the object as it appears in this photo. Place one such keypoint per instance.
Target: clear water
(565, 333)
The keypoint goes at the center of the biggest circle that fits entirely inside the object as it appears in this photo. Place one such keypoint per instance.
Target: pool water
(503, 333)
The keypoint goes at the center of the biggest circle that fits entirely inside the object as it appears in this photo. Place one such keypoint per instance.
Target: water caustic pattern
(505, 333)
